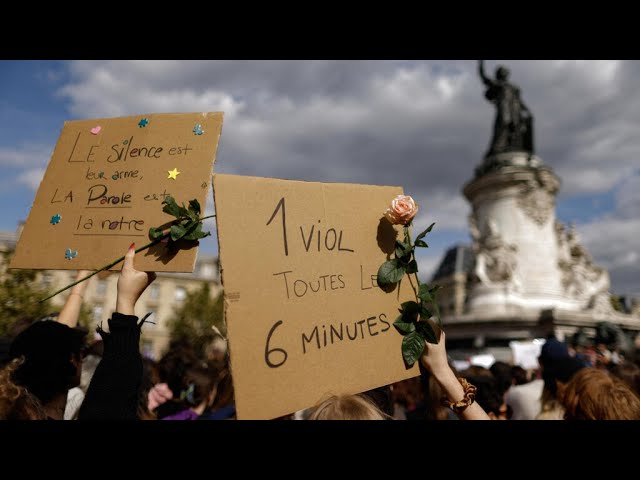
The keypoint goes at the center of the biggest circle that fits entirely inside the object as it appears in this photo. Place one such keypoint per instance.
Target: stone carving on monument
(496, 260)
(581, 278)
(537, 197)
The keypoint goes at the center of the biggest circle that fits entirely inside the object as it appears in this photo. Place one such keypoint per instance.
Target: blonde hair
(347, 407)
(593, 394)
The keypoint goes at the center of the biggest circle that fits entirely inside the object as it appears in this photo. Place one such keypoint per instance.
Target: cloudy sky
(421, 124)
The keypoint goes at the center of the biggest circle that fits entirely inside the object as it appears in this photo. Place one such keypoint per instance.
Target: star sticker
(70, 254)
(143, 123)
(173, 173)
(198, 129)
(56, 219)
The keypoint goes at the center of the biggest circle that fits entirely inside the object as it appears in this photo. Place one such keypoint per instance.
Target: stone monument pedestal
(513, 226)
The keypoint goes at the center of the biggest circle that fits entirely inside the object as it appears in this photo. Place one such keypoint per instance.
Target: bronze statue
(513, 128)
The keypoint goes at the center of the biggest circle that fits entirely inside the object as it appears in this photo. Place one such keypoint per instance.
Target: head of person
(16, 402)
(594, 394)
(629, 373)
(199, 387)
(52, 359)
(346, 407)
(502, 73)
(501, 371)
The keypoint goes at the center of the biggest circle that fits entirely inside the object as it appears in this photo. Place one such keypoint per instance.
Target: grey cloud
(422, 125)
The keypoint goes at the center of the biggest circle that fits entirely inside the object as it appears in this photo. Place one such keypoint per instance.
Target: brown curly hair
(16, 402)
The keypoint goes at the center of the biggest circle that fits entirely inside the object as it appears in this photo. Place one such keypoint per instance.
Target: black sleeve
(114, 389)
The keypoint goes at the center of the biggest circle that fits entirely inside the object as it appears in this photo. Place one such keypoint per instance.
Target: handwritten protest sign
(304, 313)
(104, 187)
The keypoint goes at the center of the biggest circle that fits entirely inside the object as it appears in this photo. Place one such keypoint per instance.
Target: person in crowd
(172, 369)
(518, 376)
(594, 394)
(490, 396)
(46, 361)
(16, 402)
(459, 394)
(525, 400)
(223, 405)
(557, 366)
(114, 390)
(198, 392)
(347, 407)
(502, 372)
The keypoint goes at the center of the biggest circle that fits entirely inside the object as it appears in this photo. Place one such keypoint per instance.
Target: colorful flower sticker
(96, 130)
(143, 123)
(56, 219)
(70, 254)
(197, 130)
(173, 173)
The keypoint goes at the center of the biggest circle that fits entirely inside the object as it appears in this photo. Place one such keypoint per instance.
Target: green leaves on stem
(412, 322)
(186, 226)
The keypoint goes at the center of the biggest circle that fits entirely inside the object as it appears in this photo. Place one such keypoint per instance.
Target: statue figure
(496, 260)
(513, 127)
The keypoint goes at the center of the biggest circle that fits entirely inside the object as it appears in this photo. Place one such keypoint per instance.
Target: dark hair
(199, 382)
(629, 373)
(519, 375)
(173, 366)
(502, 373)
(488, 395)
(47, 348)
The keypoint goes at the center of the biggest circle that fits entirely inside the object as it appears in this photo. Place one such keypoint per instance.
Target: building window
(101, 287)
(47, 279)
(154, 292)
(181, 294)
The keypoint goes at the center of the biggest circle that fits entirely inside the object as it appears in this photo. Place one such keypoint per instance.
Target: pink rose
(402, 210)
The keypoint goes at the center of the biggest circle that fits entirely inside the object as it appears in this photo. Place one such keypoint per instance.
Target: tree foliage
(20, 295)
(192, 322)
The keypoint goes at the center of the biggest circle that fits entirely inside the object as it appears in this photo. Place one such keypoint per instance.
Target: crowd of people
(49, 372)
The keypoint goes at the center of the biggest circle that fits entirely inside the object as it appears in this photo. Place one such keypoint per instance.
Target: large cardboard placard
(104, 187)
(304, 313)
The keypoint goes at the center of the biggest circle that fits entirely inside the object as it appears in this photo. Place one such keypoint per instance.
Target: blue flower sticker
(143, 123)
(70, 254)
(55, 219)
(198, 129)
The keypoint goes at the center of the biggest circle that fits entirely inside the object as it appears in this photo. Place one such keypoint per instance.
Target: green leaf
(426, 330)
(177, 232)
(421, 243)
(424, 293)
(410, 308)
(196, 233)
(390, 272)
(404, 327)
(155, 233)
(425, 313)
(403, 249)
(421, 236)
(194, 206)
(412, 267)
(412, 347)
(172, 208)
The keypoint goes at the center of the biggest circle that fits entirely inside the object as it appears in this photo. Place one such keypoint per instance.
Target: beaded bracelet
(468, 399)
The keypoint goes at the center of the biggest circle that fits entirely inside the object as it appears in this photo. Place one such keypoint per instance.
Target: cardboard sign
(304, 313)
(104, 187)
